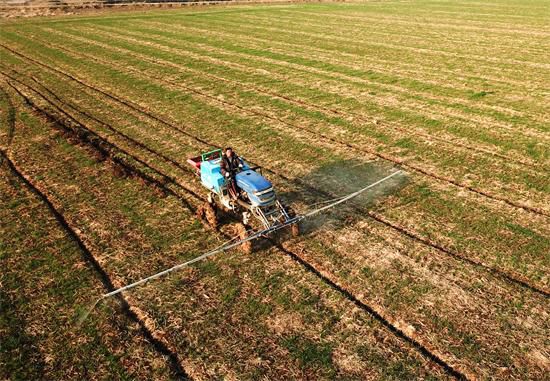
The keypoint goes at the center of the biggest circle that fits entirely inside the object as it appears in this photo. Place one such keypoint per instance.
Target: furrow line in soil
(479, 43)
(510, 130)
(407, 22)
(103, 146)
(10, 118)
(377, 313)
(250, 41)
(111, 128)
(278, 32)
(359, 30)
(497, 272)
(130, 311)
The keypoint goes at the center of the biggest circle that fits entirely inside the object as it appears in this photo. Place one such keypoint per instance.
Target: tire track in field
(500, 273)
(103, 145)
(390, 158)
(423, 348)
(130, 105)
(131, 312)
(259, 90)
(326, 278)
(110, 128)
(110, 146)
(10, 120)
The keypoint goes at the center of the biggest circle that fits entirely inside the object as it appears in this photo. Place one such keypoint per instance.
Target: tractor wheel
(207, 214)
(295, 229)
(200, 212)
(242, 231)
(211, 215)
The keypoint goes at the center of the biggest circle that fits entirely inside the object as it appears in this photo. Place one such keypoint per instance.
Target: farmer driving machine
(255, 204)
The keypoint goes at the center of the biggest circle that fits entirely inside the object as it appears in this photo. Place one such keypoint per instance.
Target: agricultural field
(441, 272)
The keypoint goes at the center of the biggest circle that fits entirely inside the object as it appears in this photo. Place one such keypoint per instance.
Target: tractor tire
(207, 214)
(243, 233)
(211, 216)
(295, 229)
(200, 213)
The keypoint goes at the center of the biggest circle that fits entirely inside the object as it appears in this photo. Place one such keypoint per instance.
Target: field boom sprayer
(256, 205)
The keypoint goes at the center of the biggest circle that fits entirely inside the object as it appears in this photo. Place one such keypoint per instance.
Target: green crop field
(440, 273)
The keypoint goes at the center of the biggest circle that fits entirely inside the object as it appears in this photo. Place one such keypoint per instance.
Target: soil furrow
(110, 128)
(359, 30)
(104, 147)
(431, 354)
(127, 103)
(393, 20)
(275, 62)
(498, 272)
(127, 309)
(315, 25)
(10, 118)
(278, 32)
(244, 40)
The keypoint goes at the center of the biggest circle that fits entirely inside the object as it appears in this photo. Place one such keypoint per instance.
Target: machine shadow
(337, 179)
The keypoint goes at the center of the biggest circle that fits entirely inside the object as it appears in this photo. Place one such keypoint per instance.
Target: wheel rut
(130, 312)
